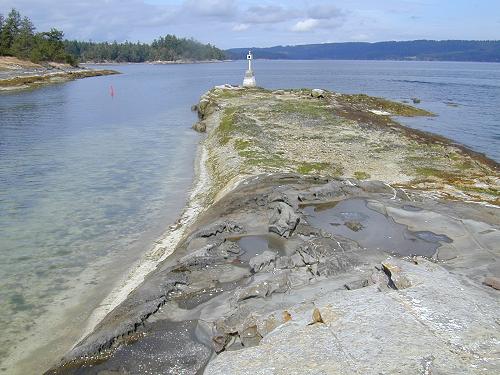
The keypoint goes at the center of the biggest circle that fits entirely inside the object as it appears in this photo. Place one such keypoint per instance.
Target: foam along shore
(326, 236)
(18, 74)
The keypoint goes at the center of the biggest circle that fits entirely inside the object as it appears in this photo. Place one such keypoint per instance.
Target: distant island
(420, 50)
(168, 48)
(19, 39)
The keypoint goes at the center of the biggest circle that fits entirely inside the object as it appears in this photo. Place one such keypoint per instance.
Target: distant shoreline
(414, 50)
(159, 62)
(18, 74)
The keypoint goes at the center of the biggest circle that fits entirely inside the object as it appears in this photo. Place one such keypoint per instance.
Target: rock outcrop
(238, 299)
(289, 270)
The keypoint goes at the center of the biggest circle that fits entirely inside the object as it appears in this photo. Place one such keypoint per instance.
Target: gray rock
(493, 282)
(284, 262)
(425, 327)
(279, 196)
(230, 247)
(224, 227)
(357, 284)
(204, 107)
(284, 220)
(200, 127)
(355, 226)
(266, 286)
(250, 336)
(263, 262)
(317, 93)
(397, 278)
(297, 260)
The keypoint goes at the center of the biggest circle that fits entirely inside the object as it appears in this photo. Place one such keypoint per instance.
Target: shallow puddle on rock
(352, 219)
(253, 245)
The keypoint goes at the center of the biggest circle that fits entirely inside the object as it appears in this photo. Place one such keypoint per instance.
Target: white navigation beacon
(249, 80)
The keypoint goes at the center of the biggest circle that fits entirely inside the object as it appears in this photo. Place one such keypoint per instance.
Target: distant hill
(427, 50)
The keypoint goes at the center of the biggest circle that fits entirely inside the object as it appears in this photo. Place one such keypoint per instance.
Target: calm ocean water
(89, 181)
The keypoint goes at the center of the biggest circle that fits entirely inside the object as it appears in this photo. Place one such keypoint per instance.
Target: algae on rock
(257, 131)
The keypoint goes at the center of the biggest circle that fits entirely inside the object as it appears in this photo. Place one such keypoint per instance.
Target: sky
(252, 23)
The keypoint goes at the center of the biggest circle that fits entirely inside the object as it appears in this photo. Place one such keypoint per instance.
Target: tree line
(18, 37)
(168, 48)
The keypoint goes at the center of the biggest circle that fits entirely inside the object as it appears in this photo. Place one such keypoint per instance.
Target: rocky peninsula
(321, 237)
(18, 74)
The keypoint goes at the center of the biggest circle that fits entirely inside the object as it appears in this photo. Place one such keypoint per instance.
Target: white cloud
(93, 19)
(269, 14)
(241, 27)
(211, 8)
(305, 25)
(324, 11)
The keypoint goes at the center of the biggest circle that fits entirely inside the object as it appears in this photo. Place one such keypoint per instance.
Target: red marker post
(111, 91)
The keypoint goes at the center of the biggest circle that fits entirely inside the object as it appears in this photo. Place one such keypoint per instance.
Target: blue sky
(248, 23)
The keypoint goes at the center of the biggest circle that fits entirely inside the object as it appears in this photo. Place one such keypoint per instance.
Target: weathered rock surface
(435, 326)
(283, 220)
(247, 301)
(289, 271)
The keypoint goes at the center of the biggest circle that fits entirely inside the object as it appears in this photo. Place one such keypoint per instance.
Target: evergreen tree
(24, 40)
(10, 30)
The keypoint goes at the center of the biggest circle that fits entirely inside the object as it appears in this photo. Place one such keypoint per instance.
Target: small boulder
(250, 336)
(493, 282)
(200, 127)
(274, 283)
(397, 280)
(318, 93)
(356, 284)
(316, 316)
(355, 226)
(284, 220)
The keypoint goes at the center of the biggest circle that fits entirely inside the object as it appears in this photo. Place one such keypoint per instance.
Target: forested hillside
(447, 50)
(18, 38)
(168, 48)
